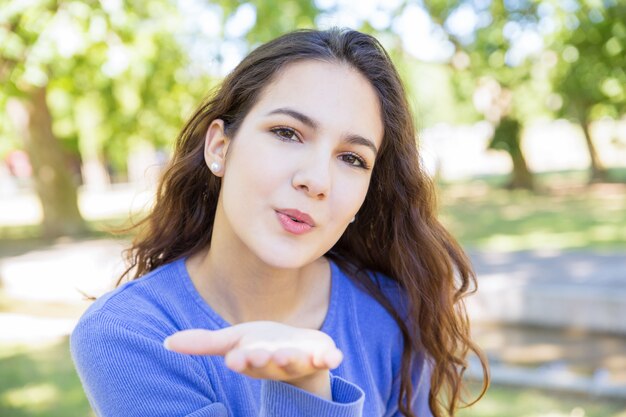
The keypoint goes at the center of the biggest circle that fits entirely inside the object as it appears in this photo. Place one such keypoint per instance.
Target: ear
(215, 146)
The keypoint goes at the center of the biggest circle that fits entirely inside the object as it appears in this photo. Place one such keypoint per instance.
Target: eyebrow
(350, 138)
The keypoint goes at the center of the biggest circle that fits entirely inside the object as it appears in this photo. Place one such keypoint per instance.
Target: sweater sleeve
(279, 399)
(127, 373)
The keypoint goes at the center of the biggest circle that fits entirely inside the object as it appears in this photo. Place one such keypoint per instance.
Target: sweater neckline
(222, 323)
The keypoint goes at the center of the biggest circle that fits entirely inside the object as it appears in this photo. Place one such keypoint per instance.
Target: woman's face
(299, 166)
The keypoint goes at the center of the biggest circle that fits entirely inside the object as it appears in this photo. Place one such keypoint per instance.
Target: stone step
(557, 289)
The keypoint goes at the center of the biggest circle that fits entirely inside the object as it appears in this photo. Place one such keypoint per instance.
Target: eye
(286, 134)
(354, 160)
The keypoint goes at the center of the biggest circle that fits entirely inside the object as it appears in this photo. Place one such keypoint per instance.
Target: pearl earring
(353, 219)
(215, 167)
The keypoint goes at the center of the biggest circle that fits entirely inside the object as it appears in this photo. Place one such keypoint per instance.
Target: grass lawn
(569, 217)
(41, 381)
(523, 402)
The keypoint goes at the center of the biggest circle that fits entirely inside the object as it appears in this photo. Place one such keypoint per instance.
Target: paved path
(579, 289)
(598, 269)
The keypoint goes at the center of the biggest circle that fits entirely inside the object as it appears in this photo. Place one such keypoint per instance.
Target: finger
(202, 342)
(332, 358)
(298, 362)
(328, 359)
(236, 360)
(318, 361)
(281, 357)
(258, 358)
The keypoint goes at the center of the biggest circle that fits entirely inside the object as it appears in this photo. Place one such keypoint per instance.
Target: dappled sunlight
(576, 412)
(519, 402)
(119, 201)
(513, 212)
(532, 354)
(31, 397)
(545, 240)
(579, 360)
(26, 328)
(59, 274)
(23, 209)
(502, 220)
(608, 233)
(617, 362)
(37, 378)
(10, 348)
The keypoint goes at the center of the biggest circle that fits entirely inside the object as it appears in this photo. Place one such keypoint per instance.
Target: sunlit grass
(523, 402)
(31, 397)
(97, 228)
(490, 218)
(39, 379)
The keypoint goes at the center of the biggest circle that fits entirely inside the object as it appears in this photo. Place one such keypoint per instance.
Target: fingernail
(166, 343)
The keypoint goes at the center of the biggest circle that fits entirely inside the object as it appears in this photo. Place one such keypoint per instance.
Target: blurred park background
(521, 110)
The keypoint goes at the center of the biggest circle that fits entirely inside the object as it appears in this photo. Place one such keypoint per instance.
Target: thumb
(203, 342)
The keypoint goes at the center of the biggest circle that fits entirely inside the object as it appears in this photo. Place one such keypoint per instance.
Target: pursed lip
(298, 215)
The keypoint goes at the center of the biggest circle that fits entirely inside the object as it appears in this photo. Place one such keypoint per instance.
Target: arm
(127, 373)
(293, 363)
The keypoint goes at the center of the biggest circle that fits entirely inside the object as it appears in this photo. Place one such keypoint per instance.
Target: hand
(267, 350)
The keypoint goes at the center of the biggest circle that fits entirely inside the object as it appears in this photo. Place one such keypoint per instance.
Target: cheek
(252, 170)
(350, 196)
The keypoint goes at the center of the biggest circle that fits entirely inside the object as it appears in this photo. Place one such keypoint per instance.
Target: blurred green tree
(273, 17)
(590, 71)
(104, 76)
(487, 72)
(23, 65)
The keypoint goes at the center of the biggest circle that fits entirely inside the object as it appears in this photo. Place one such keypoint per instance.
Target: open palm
(263, 349)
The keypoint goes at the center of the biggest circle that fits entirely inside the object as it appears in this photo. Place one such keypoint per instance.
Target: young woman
(293, 264)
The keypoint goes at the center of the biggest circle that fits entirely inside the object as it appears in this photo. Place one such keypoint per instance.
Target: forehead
(334, 94)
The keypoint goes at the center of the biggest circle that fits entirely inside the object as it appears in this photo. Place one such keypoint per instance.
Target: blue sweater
(118, 351)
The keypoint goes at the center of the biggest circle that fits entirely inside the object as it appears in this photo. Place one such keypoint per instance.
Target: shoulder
(141, 305)
(119, 340)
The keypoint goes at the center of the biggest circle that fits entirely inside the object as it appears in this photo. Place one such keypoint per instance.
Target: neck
(240, 287)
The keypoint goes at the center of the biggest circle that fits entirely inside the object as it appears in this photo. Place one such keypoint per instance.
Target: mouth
(297, 216)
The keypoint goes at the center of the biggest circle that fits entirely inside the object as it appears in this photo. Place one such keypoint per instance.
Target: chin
(286, 256)
(285, 260)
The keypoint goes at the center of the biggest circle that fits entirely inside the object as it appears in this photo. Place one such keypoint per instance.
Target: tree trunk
(53, 181)
(507, 137)
(598, 171)
(521, 177)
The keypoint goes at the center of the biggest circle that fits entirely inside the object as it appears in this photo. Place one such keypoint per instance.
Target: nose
(313, 176)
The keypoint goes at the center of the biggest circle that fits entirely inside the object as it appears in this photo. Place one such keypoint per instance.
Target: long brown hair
(396, 231)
